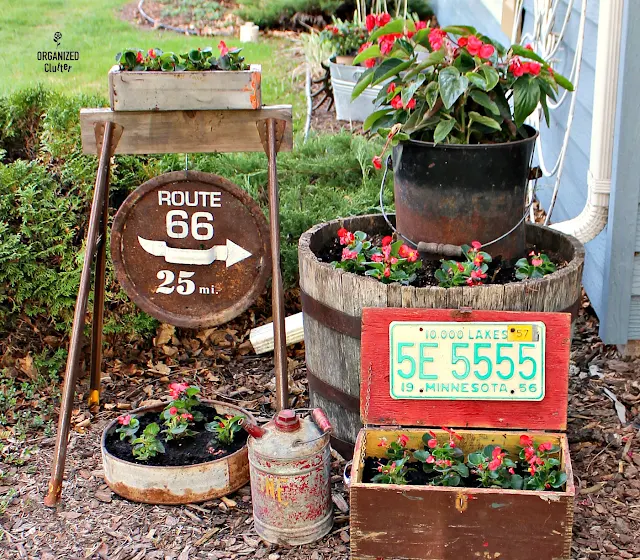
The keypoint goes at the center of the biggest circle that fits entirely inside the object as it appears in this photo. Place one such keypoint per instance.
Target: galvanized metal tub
(177, 485)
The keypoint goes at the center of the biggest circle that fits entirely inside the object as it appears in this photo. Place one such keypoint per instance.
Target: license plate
(497, 361)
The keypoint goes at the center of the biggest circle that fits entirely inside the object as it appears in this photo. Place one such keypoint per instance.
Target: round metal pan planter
(180, 484)
(333, 299)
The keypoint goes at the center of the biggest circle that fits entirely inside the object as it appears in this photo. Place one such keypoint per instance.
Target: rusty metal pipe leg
(277, 293)
(70, 377)
(98, 307)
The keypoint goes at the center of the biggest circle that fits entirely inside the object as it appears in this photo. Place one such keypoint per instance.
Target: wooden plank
(440, 523)
(165, 132)
(550, 413)
(185, 91)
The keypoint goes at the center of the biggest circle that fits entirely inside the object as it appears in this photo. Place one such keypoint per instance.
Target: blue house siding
(621, 321)
(573, 187)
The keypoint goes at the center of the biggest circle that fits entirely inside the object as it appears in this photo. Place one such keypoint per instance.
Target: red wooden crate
(442, 523)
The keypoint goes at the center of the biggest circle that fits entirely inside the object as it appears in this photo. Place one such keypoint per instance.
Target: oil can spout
(252, 429)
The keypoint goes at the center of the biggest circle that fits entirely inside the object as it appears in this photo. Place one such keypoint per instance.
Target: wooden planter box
(447, 523)
(185, 91)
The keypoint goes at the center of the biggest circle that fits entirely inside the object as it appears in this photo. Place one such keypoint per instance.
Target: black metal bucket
(448, 193)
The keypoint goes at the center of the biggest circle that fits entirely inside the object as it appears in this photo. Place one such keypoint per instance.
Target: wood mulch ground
(94, 523)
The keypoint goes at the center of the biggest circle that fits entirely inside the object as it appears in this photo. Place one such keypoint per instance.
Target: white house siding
(573, 188)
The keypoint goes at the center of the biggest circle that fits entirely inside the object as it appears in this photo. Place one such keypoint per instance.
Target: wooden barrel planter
(332, 302)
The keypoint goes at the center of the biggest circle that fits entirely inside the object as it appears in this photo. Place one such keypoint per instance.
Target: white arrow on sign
(231, 253)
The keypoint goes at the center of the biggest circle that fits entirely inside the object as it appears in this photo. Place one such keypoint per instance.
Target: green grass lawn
(95, 29)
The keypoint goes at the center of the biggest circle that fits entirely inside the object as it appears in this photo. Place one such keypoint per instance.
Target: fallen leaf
(228, 502)
(164, 334)
(184, 555)
(104, 496)
(26, 366)
(70, 514)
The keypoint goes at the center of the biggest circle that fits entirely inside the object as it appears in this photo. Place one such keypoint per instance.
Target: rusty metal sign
(191, 249)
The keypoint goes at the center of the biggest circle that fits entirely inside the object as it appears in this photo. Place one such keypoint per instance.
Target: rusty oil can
(290, 471)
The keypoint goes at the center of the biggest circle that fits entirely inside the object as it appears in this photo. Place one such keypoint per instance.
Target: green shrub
(44, 202)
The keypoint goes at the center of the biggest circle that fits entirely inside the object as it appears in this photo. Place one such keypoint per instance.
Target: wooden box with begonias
(200, 79)
(497, 383)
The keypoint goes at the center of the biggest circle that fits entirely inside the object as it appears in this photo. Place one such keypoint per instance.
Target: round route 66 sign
(191, 249)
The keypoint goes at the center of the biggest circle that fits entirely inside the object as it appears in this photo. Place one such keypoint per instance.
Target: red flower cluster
(536, 260)
(386, 42)
(477, 276)
(186, 416)
(519, 68)
(370, 62)
(530, 454)
(139, 57)
(408, 253)
(476, 47)
(452, 435)
(496, 459)
(124, 420)
(333, 29)
(173, 411)
(346, 237)
(152, 53)
(403, 440)
(376, 20)
(436, 38)
(176, 389)
(396, 103)
(348, 254)
(222, 46)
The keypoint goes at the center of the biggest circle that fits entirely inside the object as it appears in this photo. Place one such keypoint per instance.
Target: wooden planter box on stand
(185, 91)
(452, 523)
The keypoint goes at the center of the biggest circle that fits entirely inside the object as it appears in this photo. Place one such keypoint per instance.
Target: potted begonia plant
(454, 112)
(185, 450)
(200, 79)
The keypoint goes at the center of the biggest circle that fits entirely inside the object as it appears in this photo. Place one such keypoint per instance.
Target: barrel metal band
(329, 392)
(329, 317)
(573, 308)
(351, 326)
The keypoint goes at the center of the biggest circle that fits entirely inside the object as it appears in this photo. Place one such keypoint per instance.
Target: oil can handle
(321, 420)
(346, 478)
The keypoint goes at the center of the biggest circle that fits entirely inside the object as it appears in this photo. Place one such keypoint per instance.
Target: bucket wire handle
(320, 420)
(388, 165)
(346, 478)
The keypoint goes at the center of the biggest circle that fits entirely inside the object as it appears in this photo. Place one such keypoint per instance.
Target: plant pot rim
(154, 408)
(575, 262)
(441, 146)
(252, 68)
